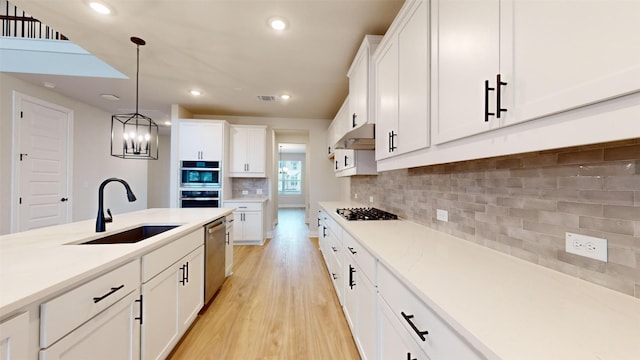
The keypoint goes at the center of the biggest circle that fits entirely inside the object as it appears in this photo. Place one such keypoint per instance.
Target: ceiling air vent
(267, 98)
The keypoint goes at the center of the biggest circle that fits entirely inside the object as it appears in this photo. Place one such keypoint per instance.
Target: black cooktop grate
(366, 213)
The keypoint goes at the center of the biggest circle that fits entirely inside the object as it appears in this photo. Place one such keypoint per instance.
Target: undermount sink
(131, 236)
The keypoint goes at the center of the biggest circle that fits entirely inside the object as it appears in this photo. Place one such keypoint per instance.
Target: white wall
(158, 176)
(91, 161)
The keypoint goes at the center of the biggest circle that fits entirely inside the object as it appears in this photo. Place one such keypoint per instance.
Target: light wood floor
(278, 304)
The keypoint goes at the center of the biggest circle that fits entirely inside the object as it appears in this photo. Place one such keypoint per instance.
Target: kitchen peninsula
(47, 276)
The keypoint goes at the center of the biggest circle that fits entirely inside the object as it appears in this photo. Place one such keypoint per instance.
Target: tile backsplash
(251, 185)
(524, 204)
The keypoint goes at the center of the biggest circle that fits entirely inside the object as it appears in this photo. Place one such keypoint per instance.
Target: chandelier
(134, 136)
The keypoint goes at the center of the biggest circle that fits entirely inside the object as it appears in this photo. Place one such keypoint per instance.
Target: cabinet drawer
(395, 342)
(160, 259)
(361, 256)
(244, 206)
(441, 342)
(61, 315)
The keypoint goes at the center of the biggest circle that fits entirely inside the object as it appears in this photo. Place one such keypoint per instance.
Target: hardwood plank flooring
(278, 304)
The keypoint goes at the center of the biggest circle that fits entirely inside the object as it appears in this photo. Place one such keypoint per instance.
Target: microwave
(200, 174)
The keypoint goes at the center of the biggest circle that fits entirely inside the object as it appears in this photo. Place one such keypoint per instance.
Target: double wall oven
(200, 184)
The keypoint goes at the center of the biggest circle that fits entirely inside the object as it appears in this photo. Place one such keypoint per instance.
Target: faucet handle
(109, 218)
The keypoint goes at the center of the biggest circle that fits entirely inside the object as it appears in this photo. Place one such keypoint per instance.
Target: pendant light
(283, 169)
(134, 136)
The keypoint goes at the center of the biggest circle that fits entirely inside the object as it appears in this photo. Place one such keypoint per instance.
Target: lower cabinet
(14, 337)
(172, 300)
(112, 334)
(228, 246)
(248, 224)
(395, 342)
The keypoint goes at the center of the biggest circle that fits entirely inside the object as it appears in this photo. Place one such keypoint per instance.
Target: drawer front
(441, 342)
(361, 256)
(395, 343)
(61, 315)
(244, 206)
(158, 260)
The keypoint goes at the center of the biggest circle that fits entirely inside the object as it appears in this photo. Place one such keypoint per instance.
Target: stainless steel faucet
(100, 221)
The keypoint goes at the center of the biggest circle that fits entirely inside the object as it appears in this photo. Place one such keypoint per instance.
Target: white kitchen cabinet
(395, 342)
(579, 57)
(112, 334)
(338, 128)
(14, 337)
(359, 121)
(427, 329)
(402, 83)
(584, 52)
(360, 297)
(228, 246)
(200, 140)
(330, 239)
(248, 222)
(173, 293)
(248, 151)
(349, 162)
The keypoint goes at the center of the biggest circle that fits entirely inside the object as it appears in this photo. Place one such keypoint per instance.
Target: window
(290, 177)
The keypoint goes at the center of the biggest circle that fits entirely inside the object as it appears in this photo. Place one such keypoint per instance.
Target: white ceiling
(223, 48)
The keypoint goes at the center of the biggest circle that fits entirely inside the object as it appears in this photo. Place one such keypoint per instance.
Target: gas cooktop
(366, 213)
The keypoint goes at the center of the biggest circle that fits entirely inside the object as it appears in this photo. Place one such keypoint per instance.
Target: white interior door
(41, 156)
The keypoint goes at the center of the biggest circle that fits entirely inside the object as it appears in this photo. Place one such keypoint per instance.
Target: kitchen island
(41, 265)
(496, 305)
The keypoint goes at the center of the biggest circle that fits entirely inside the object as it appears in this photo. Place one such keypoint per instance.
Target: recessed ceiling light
(277, 23)
(167, 123)
(195, 92)
(100, 7)
(49, 85)
(110, 97)
(285, 96)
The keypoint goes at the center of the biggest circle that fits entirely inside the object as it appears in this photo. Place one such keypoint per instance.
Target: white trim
(17, 100)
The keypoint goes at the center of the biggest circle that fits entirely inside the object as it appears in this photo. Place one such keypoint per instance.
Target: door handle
(499, 84)
(486, 101)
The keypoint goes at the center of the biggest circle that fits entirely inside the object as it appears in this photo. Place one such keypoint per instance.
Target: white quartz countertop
(38, 263)
(507, 307)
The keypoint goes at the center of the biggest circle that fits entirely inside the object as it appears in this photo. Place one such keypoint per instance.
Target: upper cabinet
(402, 83)
(500, 63)
(200, 140)
(359, 125)
(248, 151)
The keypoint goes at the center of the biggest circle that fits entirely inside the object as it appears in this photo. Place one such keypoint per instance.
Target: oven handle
(201, 169)
(200, 198)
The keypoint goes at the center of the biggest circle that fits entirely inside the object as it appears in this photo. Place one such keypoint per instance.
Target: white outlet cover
(370, 199)
(245, 192)
(442, 215)
(259, 191)
(587, 246)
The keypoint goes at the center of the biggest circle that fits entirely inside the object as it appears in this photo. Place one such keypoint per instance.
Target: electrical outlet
(587, 246)
(259, 191)
(370, 199)
(245, 192)
(442, 215)
(355, 196)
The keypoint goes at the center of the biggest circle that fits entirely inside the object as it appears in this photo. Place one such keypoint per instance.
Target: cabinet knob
(64, 199)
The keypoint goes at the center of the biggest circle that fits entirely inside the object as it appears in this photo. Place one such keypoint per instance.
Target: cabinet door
(366, 305)
(200, 141)
(238, 226)
(466, 52)
(191, 288)
(358, 86)
(238, 149)
(256, 145)
(112, 334)
(413, 81)
(568, 54)
(386, 98)
(160, 328)
(350, 295)
(14, 338)
(252, 226)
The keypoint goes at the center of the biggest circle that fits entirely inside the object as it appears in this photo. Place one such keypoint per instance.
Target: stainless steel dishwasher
(214, 248)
